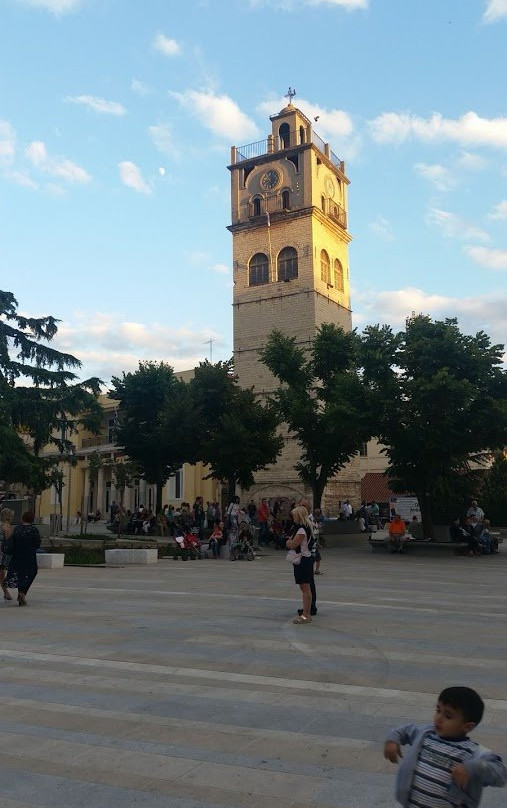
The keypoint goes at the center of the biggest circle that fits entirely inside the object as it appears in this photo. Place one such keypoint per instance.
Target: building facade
(290, 266)
(87, 491)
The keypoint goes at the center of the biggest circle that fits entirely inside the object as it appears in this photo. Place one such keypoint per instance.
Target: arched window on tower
(287, 264)
(302, 134)
(338, 275)
(285, 200)
(258, 270)
(257, 206)
(323, 203)
(284, 134)
(325, 267)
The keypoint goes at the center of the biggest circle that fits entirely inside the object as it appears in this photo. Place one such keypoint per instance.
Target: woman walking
(5, 531)
(301, 541)
(22, 546)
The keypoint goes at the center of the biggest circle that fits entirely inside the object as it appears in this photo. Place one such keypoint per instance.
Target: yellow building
(79, 495)
(290, 265)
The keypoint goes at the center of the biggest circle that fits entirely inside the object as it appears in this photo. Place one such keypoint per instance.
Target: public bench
(380, 539)
(127, 555)
(50, 561)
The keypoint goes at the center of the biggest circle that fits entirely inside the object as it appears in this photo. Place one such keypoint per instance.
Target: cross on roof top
(290, 95)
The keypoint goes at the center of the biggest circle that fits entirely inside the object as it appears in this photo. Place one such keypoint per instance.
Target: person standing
(23, 545)
(6, 516)
(263, 514)
(301, 541)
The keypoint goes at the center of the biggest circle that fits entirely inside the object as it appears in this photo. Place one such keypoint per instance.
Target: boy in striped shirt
(443, 768)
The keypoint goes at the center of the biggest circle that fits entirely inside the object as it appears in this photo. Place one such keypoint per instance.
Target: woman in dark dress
(22, 546)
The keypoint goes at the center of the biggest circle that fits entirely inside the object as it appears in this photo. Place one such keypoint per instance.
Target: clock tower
(290, 265)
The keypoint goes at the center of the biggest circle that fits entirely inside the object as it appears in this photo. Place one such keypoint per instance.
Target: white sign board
(407, 507)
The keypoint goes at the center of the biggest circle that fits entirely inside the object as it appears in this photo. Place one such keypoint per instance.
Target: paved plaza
(186, 684)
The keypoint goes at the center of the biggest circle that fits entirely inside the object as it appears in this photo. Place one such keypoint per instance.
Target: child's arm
(488, 767)
(397, 738)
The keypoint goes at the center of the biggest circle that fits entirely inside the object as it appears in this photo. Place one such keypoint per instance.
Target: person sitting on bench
(397, 534)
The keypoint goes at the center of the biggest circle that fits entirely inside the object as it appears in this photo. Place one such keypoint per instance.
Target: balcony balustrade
(293, 138)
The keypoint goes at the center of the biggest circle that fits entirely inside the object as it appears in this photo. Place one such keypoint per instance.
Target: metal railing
(270, 204)
(336, 212)
(252, 150)
(97, 440)
(293, 138)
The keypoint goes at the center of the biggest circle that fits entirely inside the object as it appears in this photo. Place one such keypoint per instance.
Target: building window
(258, 270)
(338, 276)
(325, 267)
(284, 134)
(301, 134)
(285, 200)
(257, 206)
(287, 264)
(363, 451)
(323, 203)
(111, 425)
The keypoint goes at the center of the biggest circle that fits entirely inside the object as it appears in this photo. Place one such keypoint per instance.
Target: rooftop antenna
(290, 95)
(210, 343)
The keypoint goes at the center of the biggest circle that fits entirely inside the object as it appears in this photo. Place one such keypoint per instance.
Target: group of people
(475, 530)
(18, 554)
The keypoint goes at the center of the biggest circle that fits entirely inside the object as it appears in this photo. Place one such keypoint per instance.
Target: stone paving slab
(186, 684)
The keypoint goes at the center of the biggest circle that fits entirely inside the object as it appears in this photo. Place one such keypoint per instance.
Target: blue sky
(116, 121)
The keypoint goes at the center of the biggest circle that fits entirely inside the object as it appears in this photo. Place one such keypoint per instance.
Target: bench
(131, 556)
(50, 561)
(381, 539)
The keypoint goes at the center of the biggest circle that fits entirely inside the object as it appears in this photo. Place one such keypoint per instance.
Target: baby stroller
(242, 547)
(189, 541)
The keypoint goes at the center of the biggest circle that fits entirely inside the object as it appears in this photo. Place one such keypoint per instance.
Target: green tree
(51, 404)
(494, 491)
(440, 404)
(151, 421)
(230, 430)
(322, 399)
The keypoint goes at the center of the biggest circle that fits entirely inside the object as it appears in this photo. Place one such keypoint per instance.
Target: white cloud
(108, 345)
(470, 129)
(499, 211)
(332, 122)
(382, 228)
(471, 162)
(167, 46)
(140, 88)
(475, 313)
(7, 143)
(222, 269)
(131, 177)
(495, 10)
(293, 5)
(55, 6)
(218, 113)
(489, 258)
(97, 104)
(454, 226)
(437, 175)
(163, 138)
(20, 178)
(55, 166)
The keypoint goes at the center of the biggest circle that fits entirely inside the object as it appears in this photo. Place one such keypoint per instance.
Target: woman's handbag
(293, 557)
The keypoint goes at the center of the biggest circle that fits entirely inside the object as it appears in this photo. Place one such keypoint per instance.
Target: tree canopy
(152, 416)
(40, 396)
(440, 404)
(233, 432)
(322, 399)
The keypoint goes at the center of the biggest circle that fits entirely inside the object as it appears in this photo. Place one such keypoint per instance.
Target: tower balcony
(273, 144)
(335, 211)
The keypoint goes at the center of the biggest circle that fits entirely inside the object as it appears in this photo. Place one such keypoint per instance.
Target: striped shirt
(432, 776)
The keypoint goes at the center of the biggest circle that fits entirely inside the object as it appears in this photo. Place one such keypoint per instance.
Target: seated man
(397, 534)
(465, 533)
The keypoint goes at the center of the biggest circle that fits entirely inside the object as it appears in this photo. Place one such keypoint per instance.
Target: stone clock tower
(290, 264)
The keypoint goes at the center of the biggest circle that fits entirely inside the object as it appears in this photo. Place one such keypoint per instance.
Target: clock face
(329, 186)
(270, 179)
